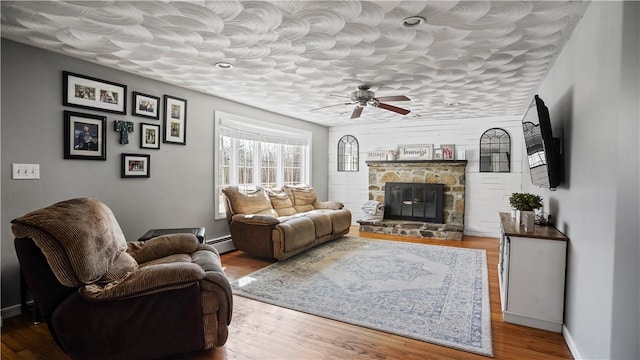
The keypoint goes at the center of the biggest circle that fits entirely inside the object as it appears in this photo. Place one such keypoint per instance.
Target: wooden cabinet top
(510, 228)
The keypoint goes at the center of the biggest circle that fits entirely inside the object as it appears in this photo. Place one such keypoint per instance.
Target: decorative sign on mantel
(415, 152)
(379, 154)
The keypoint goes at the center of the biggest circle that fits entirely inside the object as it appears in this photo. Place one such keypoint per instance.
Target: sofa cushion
(296, 233)
(321, 221)
(281, 202)
(249, 201)
(340, 220)
(303, 197)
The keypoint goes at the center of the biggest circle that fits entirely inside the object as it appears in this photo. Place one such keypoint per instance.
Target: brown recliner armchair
(105, 298)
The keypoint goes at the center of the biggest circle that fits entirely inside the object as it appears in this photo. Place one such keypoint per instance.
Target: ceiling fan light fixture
(413, 21)
(224, 65)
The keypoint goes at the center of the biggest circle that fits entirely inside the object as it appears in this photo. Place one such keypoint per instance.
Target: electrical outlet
(25, 171)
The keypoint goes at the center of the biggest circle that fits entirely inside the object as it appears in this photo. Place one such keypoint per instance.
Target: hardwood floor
(262, 331)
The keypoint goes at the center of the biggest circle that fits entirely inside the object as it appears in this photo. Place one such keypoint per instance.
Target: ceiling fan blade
(324, 107)
(393, 98)
(394, 108)
(356, 112)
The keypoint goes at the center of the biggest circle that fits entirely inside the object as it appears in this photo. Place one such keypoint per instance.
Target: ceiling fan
(363, 97)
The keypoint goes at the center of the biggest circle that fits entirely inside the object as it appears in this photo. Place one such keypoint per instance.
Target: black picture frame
(85, 136)
(87, 92)
(135, 166)
(145, 105)
(175, 120)
(149, 136)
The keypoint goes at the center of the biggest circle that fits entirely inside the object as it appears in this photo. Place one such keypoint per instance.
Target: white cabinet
(531, 271)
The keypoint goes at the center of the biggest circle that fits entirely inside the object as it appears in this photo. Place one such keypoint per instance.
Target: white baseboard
(223, 244)
(573, 348)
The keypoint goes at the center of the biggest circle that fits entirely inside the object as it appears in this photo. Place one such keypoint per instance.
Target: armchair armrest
(147, 280)
(333, 205)
(161, 246)
(255, 219)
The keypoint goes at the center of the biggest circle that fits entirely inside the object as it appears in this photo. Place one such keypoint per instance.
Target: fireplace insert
(414, 201)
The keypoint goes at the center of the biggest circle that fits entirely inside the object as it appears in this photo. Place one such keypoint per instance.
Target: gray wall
(593, 96)
(180, 190)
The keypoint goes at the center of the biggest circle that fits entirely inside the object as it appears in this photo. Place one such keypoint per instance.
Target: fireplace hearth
(413, 201)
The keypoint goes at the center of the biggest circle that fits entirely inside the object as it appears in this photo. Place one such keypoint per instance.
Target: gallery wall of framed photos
(85, 134)
(179, 191)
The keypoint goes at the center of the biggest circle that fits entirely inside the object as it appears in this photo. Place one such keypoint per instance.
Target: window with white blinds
(252, 152)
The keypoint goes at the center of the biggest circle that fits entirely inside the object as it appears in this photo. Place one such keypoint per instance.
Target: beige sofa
(278, 224)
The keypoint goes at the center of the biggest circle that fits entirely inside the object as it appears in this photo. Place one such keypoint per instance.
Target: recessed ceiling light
(413, 21)
(223, 65)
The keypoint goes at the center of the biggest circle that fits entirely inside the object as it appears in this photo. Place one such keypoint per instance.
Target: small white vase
(528, 220)
(518, 217)
(513, 213)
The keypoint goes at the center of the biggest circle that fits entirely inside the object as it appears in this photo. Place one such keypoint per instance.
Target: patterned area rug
(431, 293)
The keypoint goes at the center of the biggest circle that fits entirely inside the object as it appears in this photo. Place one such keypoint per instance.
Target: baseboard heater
(223, 244)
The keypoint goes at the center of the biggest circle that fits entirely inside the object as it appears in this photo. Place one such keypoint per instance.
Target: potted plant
(524, 202)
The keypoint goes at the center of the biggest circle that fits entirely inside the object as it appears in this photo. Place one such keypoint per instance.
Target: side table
(197, 231)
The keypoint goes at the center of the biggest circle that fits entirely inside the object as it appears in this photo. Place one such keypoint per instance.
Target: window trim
(224, 119)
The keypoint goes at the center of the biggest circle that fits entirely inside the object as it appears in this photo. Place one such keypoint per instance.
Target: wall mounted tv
(544, 152)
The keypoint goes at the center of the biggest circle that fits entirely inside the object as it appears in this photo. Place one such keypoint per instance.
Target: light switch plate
(25, 171)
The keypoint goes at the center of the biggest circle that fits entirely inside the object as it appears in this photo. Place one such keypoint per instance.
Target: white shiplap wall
(486, 193)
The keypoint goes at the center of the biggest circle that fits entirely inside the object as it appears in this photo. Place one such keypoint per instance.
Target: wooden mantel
(452, 162)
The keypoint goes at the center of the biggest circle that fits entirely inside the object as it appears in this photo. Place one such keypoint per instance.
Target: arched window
(495, 151)
(348, 150)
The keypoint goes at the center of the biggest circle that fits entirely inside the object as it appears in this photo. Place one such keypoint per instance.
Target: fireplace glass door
(414, 201)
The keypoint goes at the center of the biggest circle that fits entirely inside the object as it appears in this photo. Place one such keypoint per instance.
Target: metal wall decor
(124, 128)
(348, 153)
(495, 151)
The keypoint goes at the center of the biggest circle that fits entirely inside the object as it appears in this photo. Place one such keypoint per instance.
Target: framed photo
(95, 94)
(149, 136)
(175, 120)
(145, 105)
(415, 152)
(135, 166)
(85, 136)
(437, 154)
(448, 152)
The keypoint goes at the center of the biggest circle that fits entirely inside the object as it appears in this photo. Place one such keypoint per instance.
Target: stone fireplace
(397, 176)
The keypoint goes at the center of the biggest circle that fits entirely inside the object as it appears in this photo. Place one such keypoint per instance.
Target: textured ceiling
(469, 59)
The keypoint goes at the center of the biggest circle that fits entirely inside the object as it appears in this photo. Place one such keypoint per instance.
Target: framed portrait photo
(437, 154)
(85, 136)
(135, 166)
(175, 120)
(90, 93)
(149, 136)
(448, 152)
(145, 105)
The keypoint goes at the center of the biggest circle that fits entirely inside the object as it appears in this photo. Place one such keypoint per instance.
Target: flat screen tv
(544, 152)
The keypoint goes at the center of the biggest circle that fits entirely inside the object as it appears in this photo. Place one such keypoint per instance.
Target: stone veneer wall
(449, 173)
